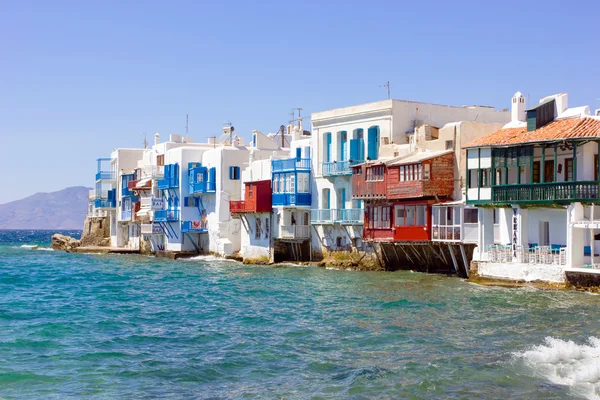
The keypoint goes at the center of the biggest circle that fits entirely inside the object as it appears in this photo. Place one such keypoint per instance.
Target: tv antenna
(186, 124)
(387, 86)
(145, 141)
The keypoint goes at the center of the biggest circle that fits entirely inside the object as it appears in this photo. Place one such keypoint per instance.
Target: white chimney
(562, 103)
(518, 109)
(156, 138)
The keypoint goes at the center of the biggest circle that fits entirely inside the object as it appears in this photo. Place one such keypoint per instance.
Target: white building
(347, 136)
(536, 183)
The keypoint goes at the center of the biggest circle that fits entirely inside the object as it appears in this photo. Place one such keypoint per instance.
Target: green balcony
(546, 193)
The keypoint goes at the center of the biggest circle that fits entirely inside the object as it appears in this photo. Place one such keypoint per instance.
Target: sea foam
(567, 363)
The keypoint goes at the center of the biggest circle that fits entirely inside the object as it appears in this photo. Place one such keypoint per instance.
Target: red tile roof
(554, 131)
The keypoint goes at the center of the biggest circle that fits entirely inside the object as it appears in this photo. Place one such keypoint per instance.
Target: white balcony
(295, 232)
(102, 194)
(152, 203)
(153, 171)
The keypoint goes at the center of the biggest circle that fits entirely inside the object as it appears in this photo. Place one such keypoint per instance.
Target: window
(421, 216)
(191, 201)
(536, 172)
(400, 211)
(426, 172)
(257, 233)
(375, 173)
(568, 170)
(357, 171)
(160, 160)
(485, 178)
(449, 144)
(471, 216)
(595, 167)
(250, 191)
(401, 174)
(267, 227)
(473, 178)
(234, 173)
(410, 216)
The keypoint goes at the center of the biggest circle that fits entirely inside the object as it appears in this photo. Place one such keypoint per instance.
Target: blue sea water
(113, 327)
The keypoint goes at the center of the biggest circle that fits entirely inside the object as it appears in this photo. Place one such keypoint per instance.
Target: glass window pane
(399, 211)
(421, 213)
(410, 215)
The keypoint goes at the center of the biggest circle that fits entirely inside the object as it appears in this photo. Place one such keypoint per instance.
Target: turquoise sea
(134, 327)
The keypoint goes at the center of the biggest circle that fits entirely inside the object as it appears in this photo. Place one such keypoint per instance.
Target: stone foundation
(96, 231)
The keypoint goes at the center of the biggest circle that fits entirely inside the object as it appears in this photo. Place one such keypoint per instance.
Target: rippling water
(97, 326)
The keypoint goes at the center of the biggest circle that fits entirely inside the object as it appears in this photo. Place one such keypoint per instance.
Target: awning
(143, 212)
(143, 182)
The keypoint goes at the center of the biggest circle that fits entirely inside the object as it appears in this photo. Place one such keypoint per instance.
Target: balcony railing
(151, 229)
(126, 192)
(153, 171)
(168, 183)
(236, 206)
(153, 203)
(546, 193)
(295, 232)
(203, 187)
(105, 176)
(126, 215)
(194, 226)
(166, 215)
(100, 203)
(345, 216)
(291, 164)
(339, 167)
(291, 199)
(98, 194)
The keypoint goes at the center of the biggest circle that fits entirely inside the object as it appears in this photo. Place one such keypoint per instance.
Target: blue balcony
(291, 164)
(342, 216)
(337, 168)
(202, 179)
(166, 215)
(168, 183)
(126, 215)
(203, 187)
(105, 176)
(125, 179)
(292, 199)
(103, 203)
(194, 226)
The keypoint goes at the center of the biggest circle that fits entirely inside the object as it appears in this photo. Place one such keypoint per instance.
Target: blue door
(327, 147)
(354, 143)
(373, 142)
(343, 143)
(298, 153)
(342, 198)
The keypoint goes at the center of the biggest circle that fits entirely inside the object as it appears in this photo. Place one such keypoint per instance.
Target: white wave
(45, 249)
(567, 363)
(29, 246)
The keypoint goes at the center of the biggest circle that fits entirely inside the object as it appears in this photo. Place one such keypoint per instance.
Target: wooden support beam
(453, 258)
(543, 165)
(464, 255)
(555, 162)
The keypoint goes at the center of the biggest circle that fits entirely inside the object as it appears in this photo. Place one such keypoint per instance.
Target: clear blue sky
(79, 78)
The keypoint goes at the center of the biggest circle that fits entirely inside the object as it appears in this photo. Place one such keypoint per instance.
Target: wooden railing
(545, 192)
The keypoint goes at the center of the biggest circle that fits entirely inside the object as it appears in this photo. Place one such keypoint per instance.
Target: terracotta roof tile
(556, 130)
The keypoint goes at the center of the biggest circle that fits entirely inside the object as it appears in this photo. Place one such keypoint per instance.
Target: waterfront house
(536, 182)
(373, 134)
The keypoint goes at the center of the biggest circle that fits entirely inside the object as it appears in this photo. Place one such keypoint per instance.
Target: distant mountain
(65, 209)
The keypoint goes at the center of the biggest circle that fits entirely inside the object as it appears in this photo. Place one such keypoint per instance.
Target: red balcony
(237, 206)
(369, 182)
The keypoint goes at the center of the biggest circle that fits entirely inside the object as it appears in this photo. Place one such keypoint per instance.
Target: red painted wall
(440, 184)
(261, 200)
(361, 189)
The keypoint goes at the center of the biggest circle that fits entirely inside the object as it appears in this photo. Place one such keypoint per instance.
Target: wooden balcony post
(543, 165)
(575, 171)
(555, 163)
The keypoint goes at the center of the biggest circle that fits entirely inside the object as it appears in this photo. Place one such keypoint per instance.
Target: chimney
(562, 103)
(517, 112)
(156, 138)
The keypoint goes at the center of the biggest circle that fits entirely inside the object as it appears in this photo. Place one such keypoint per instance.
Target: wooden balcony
(295, 232)
(546, 193)
(237, 206)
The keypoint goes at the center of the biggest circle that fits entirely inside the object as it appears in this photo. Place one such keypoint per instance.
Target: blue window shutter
(343, 198)
(298, 152)
(328, 147)
(354, 150)
(213, 175)
(343, 143)
(373, 138)
(361, 149)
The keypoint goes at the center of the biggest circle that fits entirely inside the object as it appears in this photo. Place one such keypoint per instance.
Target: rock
(104, 242)
(62, 242)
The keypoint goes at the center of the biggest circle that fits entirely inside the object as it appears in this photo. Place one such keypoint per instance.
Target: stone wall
(96, 232)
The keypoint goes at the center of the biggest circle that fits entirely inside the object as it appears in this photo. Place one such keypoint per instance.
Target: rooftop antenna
(299, 111)
(145, 141)
(186, 124)
(282, 132)
(387, 86)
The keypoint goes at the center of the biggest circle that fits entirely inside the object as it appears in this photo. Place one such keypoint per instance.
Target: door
(549, 171)
(343, 142)
(327, 155)
(373, 143)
